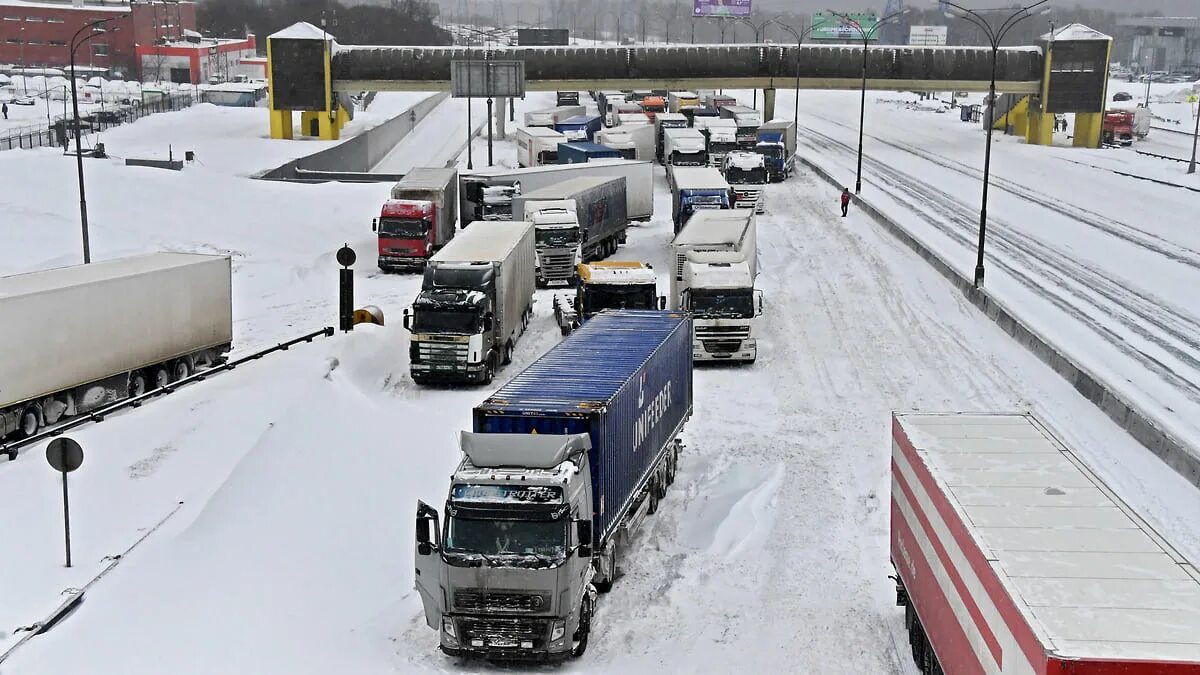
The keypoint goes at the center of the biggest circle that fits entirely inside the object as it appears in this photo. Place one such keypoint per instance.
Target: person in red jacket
(845, 201)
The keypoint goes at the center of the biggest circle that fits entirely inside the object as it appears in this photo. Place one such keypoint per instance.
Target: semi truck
(476, 300)
(746, 173)
(633, 119)
(1012, 556)
(720, 138)
(718, 101)
(694, 189)
(418, 220)
(548, 117)
(679, 101)
(748, 121)
(684, 147)
(566, 459)
(777, 145)
(632, 142)
(653, 105)
(537, 146)
(580, 127)
(599, 210)
(622, 109)
(112, 330)
(731, 233)
(607, 285)
(718, 290)
(487, 194)
(556, 237)
(661, 124)
(562, 98)
(581, 152)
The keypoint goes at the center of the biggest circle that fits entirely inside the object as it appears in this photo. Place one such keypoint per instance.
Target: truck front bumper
(447, 372)
(388, 263)
(505, 639)
(724, 350)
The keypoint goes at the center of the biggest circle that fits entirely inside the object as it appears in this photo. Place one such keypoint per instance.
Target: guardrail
(98, 415)
(55, 133)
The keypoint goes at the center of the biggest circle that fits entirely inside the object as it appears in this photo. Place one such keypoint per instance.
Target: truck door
(428, 563)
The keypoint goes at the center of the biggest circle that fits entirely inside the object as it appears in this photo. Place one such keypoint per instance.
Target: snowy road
(1102, 265)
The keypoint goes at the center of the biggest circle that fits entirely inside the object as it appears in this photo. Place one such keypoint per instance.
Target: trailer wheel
(30, 422)
(607, 584)
(162, 377)
(182, 370)
(653, 496)
(579, 639)
(137, 384)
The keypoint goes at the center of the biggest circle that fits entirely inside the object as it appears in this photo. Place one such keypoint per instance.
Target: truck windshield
(507, 537)
(444, 321)
(598, 298)
(772, 151)
(724, 303)
(736, 176)
(722, 147)
(557, 238)
(403, 227)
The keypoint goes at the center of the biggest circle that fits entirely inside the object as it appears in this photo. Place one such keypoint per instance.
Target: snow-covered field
(292, 550)
(1103, 265)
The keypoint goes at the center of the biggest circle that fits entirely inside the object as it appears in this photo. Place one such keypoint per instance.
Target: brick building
(37, 33)
(198, 60)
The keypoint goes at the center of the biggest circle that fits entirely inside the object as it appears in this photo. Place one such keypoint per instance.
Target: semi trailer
(562, 462)
(113, 330)
(777, 145)
(748, 121)
(599, 210)
(419, 218)
(537, 146)
(1012, 556)
(548, 117)
(580, 127)
(696, 188)
(581, 152)
(662, 123)
(487, 194)
(632, 142)
(475, 302)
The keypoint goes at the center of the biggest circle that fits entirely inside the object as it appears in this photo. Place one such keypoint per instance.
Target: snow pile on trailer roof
(698, 178)
(79, 275)
(427, 178)
(490, 241)
(746, 161)
(1091, 578)
(715, 226)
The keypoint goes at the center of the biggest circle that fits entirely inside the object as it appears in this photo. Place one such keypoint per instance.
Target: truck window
(403, 227)
(557, 238)
(723, 303)
(514, 537)
(445, 321)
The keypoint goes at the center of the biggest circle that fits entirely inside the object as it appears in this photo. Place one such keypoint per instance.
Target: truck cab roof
(616, 273)
(746, 161)
(718, 274)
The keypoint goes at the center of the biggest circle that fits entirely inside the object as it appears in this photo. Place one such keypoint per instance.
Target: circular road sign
(345, 256)
(64, 454)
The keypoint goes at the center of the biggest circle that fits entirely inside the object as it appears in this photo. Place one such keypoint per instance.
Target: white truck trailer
(107, 331)
(684, 147)
(720, 137)
(633, 142)
(475, 302)
(548, 117)
(487, 194)
(728, 231)
(537, 146)
(1012, 556)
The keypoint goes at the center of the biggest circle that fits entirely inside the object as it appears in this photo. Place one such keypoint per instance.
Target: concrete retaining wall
(1179, 455)
(364, 151)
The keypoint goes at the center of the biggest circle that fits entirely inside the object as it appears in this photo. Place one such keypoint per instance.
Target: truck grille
(722, 339)
(477, 600)
(442, 352)
(558, 266)
(505, 632)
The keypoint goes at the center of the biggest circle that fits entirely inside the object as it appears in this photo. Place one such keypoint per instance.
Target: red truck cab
(407, 233)
(652, 105)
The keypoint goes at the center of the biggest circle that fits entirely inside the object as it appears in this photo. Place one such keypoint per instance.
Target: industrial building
(1163, 43)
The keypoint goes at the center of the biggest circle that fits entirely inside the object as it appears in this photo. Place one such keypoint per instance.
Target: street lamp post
(76, 41)
(995, 36)
(1195, 138)
(866, 36)
(799, 35)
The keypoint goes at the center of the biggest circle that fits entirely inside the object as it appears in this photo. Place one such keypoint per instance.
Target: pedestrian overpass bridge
(310, 72)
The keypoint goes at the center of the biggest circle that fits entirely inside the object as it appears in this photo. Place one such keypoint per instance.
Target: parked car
(24, 100)
(1122, 96)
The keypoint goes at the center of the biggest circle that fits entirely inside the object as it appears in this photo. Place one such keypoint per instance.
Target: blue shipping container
(625, 378)
(580, 127)
(578, 153)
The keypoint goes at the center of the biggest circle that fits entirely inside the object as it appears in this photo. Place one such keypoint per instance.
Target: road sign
(64, 454)
(927, 36)
(487, 79)
(346, 256)
(833, 27)
(726, 8)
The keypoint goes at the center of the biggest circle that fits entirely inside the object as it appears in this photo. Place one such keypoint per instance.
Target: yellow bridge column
(329, 129)
(1087, 129)
(281, 124)
(343, 118)
(1040, 129)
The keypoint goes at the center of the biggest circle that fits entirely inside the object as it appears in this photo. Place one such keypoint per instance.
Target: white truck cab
(557, 239)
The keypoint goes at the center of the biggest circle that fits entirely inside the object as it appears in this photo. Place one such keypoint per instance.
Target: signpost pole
(66, 517)
(64, 456)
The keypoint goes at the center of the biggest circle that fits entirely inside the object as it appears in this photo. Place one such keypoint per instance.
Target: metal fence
(55, 132)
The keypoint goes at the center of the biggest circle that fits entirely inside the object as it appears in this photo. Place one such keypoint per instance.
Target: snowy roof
(720, 275)
(541, 132)
(715, 226)
(745, 160)
(67, 4)
(698, 177)
(302, 30)
(617, 273)
(1076, 31)
(81, 275)
(1092, 579)
(483, 244)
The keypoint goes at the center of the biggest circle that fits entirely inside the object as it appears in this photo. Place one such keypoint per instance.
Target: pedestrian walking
(845, 201)
(5, 109)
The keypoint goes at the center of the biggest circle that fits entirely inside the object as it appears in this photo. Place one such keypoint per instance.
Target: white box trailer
(632, 141)
(727, 231)
(548, 117)
(1011, 556)
(638, 175)
(537, 146)
(77, 338)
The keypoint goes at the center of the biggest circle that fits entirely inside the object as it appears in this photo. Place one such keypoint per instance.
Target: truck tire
(489, 370)
(137, 384)
(508, 352)
(181, 370)
(30, 422)
(653, 496)
(162, 377)
(579, 639)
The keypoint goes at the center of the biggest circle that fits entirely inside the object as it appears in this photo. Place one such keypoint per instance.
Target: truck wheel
(566, 329)
(137, 384)
(30, 422)
(162, 377)
(489, 370)
(182, 369)
(579, 640)
(508, 352)
(653, 497)
(607, 584)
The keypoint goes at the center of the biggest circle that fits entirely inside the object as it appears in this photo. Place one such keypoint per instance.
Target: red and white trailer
(1012, 557)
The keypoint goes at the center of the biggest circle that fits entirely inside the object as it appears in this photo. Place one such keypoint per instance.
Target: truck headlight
(448, 627)
(559, 629)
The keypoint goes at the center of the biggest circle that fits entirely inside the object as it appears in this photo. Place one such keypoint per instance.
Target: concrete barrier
(364, 151)
(1180, 456)
(175, 165)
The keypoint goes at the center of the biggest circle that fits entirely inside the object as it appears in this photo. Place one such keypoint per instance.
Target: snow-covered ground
(292, 551)
(1103, 265)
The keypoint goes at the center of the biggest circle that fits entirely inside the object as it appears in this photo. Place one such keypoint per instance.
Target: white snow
(1076, 31)
(292, 551)
(301, 30)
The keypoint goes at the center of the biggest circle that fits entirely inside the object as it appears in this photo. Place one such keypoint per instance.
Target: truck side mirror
(408, 319)
(583, 532)
(758, 303)
(487, 321)
(426, 524)
(374, 224)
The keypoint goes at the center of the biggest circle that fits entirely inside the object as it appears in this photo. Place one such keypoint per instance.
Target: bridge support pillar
(1040, 129)
(343, 118)
(768, 104)
(1087, 129)
(281, 124)
(498, 113)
